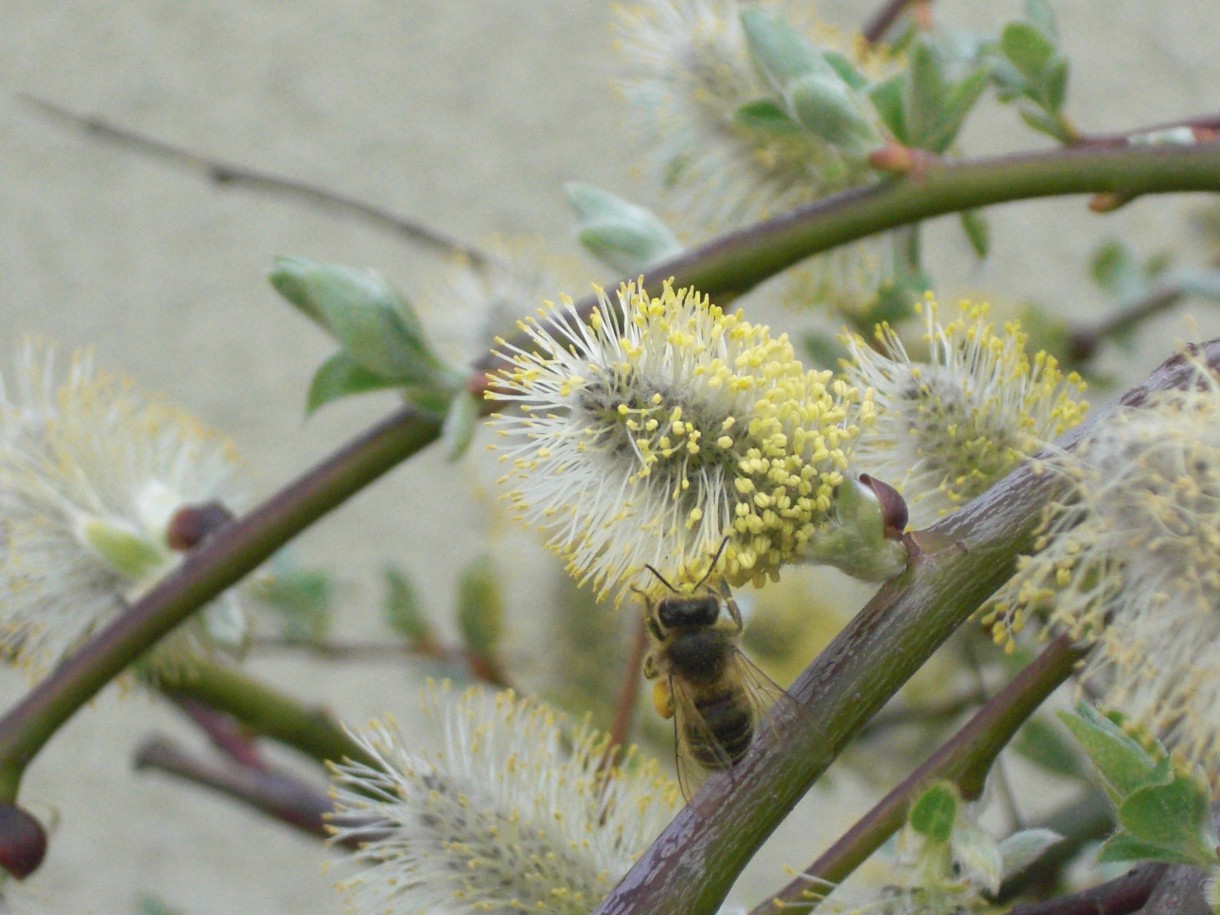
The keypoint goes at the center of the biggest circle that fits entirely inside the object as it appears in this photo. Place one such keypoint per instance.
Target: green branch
(734, 263)
(737, 262)
(695, 861)
(266, 711)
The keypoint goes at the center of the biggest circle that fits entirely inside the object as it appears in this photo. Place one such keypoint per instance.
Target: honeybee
(715, 695)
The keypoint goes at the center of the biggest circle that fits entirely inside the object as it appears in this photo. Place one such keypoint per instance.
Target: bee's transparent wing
(693, 741)
(777, 710)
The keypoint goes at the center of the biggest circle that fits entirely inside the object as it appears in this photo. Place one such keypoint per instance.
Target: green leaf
(934, 812)
(1053, 87)
(926, 94)
(818, 97)
(978, 231)
(340, 376)
(1029, 49)
(887, 97)
(1039, 72)
(1043, 123)
(1174, 816)
(375, 325)
(766, 116)
(1125, 847)
(847, 71)
(781, 52)
(825, 106)
(625, 236)
(402, 609)
(300, 598)
(480, 612)
(1010, 84)
(962, 97)
(1124, 766)
(457, 431)
(1113, 267)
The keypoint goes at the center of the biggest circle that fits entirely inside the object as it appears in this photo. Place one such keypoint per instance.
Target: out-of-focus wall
(468, 116)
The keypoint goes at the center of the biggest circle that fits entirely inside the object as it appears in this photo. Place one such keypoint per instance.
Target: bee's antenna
(660, 578)
(712, 567)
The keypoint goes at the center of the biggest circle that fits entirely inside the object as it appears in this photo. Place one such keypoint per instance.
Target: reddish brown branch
(226, 735)
(1117, 897)
(1204, 127)
(884, 19)
(278, 795)
(628, 694)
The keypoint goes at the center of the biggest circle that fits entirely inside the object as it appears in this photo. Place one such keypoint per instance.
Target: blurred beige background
(466, 115)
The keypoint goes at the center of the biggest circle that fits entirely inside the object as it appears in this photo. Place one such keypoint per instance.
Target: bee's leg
(650, 667)
(735, 613)
(650, 619)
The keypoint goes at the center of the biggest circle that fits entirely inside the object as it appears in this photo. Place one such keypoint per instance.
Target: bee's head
(688, 611)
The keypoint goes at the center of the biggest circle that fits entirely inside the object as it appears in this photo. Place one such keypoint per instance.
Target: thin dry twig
(230, 174)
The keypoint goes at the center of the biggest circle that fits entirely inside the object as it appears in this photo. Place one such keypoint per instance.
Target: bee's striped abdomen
(729, 716)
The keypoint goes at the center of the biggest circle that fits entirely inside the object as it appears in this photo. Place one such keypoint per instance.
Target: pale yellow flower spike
(514, 813)
(950, 426)
(91, 473)
(688, 72)
(651, 444)
(1127, 560)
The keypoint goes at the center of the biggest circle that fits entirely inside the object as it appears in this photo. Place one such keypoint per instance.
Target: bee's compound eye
(710, 608)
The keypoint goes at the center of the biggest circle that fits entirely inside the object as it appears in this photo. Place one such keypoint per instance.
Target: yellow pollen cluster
(653, 443)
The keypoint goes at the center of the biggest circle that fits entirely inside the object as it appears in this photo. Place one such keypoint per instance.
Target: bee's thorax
(699, 656)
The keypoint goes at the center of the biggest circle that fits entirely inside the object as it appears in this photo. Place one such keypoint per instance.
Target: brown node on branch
(896, 159)
(23, 841)
(192, 523)
(894, 515)
(1109, 201)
